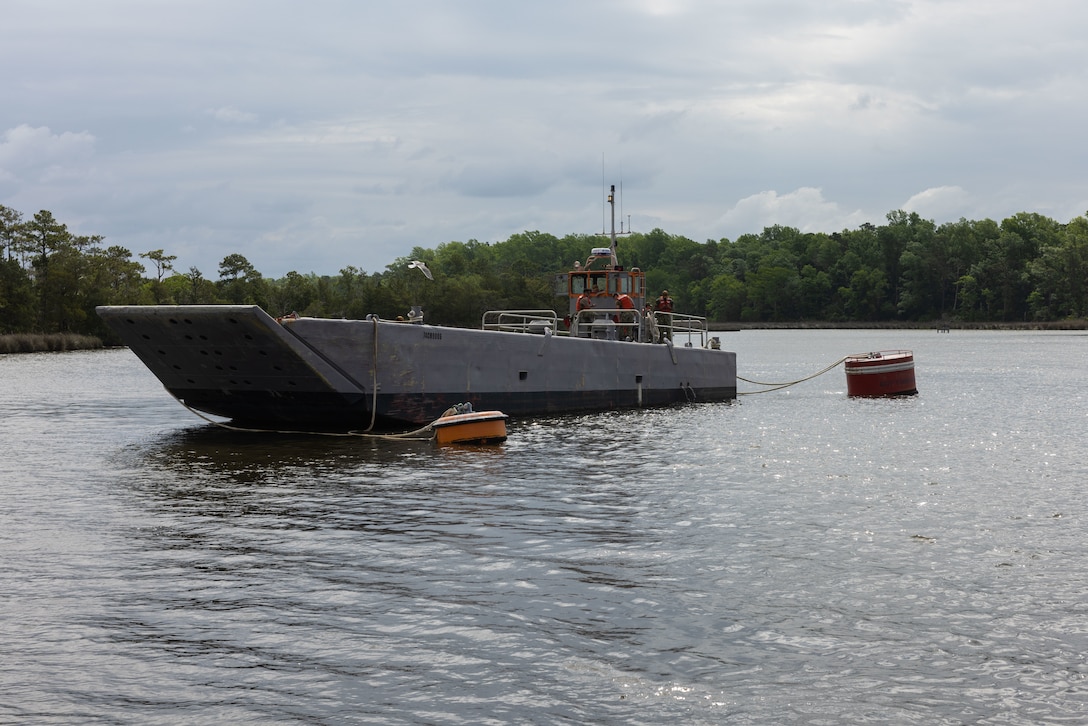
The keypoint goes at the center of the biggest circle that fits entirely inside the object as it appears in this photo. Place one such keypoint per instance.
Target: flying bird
(422, 268)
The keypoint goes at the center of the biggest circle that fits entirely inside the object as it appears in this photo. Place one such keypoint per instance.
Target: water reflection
(237, 451)
(798, 557)
(236, 492)
(600, 459)
(323, 564)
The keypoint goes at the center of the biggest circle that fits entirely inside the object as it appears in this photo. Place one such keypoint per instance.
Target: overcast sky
(314, 135)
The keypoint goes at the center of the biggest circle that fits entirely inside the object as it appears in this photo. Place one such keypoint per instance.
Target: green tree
(773, 292)
(728, 296)
(814, 294)
(1059, 275)
(353, 294)
(1003, 270)
(932, 264)
(163, 263)
(861, 250)
(18, 304)
(54, 259)
(240, 283)
(109, 277)
(903, 230)
(191, 288)
(864, 298)
(293, 293)
(11, 233)
(114, 278)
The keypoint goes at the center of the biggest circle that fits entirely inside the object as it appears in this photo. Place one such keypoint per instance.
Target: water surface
(794, 557)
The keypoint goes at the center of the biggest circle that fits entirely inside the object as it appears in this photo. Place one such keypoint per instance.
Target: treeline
(1027, 268)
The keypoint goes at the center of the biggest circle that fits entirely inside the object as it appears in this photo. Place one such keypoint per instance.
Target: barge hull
(240, 363)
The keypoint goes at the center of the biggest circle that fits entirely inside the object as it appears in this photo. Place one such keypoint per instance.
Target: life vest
(664, 305)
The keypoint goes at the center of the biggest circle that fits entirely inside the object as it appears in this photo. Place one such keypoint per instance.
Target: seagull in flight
(422, 268)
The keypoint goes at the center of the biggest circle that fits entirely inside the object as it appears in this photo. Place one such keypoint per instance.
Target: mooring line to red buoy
(780, 386)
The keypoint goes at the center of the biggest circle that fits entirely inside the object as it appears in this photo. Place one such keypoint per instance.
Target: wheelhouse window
(578, 283)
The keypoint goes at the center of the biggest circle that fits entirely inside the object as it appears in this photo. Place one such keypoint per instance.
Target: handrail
(606, 322)
(520, 321)
(683, 324)
(603, 321)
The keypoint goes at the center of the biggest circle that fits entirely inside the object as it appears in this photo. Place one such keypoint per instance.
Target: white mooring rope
(779, 386)
(425, 433)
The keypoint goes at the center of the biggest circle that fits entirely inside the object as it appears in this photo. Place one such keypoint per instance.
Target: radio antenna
(621, 209)
(603, 191)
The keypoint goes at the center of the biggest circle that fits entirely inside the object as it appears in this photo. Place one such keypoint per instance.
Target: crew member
(664, 306)
(627, 315)
(585, 302)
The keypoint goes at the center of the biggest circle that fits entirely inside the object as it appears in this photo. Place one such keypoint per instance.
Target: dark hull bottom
(331, 411)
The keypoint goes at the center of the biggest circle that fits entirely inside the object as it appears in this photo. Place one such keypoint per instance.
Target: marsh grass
(46, 342)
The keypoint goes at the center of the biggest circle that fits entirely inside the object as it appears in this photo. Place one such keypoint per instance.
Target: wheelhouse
(602, 280)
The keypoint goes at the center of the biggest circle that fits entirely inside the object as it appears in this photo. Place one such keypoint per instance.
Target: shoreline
(11, 343)
(47, 342)
(894, 325)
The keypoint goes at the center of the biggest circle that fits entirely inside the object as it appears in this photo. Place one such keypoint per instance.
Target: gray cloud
(315, 136)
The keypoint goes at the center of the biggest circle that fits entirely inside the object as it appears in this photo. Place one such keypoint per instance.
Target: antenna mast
(621, 209)
(602, 189)
(612, 205)
(612, 234)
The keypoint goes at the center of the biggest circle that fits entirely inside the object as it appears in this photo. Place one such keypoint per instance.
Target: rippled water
(795, 557)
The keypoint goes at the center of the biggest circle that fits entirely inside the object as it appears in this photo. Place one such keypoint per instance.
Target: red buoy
(884, 373)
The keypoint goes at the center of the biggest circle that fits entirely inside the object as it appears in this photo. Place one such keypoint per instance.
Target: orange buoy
(883, 373)
(481, 427)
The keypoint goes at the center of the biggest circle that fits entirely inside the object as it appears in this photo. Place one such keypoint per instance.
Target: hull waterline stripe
(887, 368)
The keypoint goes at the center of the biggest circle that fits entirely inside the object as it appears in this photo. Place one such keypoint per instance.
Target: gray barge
(611, 351)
